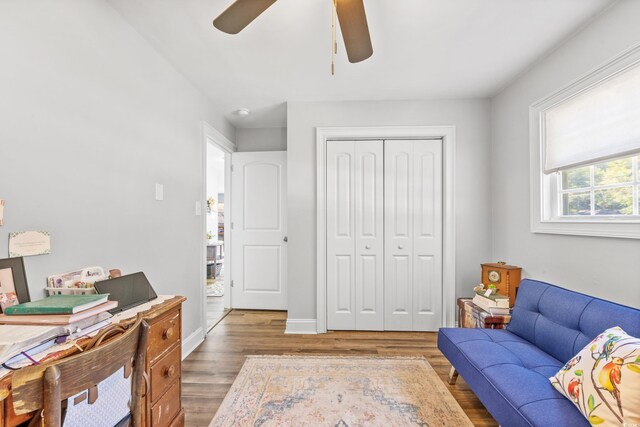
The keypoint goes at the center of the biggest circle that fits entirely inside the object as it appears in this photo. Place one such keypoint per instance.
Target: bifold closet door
(413, 235)
(355, 235)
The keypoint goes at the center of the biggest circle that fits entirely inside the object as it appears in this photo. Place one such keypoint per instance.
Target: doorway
(215, 228)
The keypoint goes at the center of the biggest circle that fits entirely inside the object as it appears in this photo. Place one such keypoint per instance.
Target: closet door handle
(367, 247)
(400, 247)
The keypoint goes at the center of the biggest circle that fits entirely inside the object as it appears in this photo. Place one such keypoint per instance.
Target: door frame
(211, 135)
(448, 136)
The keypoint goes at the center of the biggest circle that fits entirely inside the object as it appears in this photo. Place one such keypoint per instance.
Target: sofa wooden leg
(453, 376)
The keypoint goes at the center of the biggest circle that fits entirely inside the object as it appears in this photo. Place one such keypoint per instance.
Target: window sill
(622, 230)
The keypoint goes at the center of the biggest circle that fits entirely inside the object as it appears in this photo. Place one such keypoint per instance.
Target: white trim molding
(544, 202)
(222, 141)
(448, 136)
(192, 342)
(301, 326)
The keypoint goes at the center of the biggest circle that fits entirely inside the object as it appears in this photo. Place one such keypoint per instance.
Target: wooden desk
(162, 405)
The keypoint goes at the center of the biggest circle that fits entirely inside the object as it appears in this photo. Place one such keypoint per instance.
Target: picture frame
(13, 282)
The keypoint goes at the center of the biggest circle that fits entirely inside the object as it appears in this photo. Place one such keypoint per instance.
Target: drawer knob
(168, 333)
(170, 371)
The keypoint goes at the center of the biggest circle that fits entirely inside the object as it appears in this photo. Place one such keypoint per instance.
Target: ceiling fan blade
(355, 31)
(240, 14)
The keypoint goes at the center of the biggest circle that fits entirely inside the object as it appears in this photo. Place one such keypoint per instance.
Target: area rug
(215, 289)
(338, 391)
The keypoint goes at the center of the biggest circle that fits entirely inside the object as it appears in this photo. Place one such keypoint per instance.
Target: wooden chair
(46, 386)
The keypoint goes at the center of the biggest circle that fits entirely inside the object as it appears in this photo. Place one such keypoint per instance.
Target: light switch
(198, 208)
(159, 192)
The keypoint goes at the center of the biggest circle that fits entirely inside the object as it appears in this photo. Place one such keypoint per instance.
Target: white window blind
(601, 123)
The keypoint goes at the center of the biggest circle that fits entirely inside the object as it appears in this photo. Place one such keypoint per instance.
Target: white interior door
(413, 235)
(259, 224)
(355, 253)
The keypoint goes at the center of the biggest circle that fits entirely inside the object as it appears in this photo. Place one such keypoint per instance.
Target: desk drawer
(162, 335)
(164, 372)
(163, 412)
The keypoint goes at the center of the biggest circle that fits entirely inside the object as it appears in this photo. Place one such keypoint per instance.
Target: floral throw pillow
(603, 380)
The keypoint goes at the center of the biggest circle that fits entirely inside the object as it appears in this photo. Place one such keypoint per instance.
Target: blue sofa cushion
(562, 322)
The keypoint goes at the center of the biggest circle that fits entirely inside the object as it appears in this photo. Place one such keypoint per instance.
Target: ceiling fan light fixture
(350, 14)
(240, 14)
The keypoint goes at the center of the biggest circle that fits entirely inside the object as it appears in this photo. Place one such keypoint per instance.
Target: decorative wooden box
(505, 277)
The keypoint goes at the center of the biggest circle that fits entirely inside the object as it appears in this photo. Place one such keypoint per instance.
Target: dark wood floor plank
(208, 372)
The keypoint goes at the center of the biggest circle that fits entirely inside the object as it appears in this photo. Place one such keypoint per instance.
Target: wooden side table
(472, 316)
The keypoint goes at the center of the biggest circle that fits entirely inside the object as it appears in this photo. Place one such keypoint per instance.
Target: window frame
(545, 188)
(634, 185)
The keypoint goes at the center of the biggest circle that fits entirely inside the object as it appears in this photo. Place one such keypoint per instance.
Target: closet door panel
(413, 235)
(369, 249)
(424, 273)
(427, 239)
(340, 235)
(400, 296)
(398, 185)
(344, 283)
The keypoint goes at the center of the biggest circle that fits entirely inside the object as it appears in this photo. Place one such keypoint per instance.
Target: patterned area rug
(338, 391)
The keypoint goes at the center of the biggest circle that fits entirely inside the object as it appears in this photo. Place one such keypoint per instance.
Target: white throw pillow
(603, 379)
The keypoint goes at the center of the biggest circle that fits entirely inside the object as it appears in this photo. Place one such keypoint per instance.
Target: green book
(58, 304)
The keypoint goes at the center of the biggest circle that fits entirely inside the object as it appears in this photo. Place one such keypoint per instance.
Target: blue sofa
(509, 369)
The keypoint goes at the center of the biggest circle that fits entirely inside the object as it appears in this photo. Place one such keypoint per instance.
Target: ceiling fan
(350, 13)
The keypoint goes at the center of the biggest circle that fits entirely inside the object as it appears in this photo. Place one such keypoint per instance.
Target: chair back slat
(79, 372)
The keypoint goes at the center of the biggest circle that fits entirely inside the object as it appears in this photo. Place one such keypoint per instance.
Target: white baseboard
(301, 326)
(192, 341)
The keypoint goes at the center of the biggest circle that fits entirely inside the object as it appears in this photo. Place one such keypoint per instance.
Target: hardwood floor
(215, 310)
(208, 372)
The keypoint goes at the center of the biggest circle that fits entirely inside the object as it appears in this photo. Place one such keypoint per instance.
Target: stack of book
(53, 319)
(496, 304)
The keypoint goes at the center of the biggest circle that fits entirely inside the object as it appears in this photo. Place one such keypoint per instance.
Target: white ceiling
(422, 49)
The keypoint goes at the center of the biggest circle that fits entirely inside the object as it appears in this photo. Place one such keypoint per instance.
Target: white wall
(91, 117)
(261, 139)
(473, 225)
(604, 267)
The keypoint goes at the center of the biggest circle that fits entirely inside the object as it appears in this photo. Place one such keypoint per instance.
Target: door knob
(367, 247)
(286, 239)
(400, 247)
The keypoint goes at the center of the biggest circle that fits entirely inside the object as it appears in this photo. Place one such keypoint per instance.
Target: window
(585, 145)
(606, 189)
